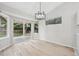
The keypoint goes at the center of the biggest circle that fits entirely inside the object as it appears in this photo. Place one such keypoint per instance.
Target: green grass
(2, 34)
(18, 34)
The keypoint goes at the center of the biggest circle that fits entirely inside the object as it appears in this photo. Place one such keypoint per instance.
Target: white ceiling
(27, 9)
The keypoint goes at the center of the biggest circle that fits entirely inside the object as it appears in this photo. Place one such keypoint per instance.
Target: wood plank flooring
(37, 48)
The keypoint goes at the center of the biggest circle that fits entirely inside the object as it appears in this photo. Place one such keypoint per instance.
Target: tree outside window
(3, 26)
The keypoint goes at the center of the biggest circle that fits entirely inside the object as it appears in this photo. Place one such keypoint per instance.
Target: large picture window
(3, 26)
(18, 29)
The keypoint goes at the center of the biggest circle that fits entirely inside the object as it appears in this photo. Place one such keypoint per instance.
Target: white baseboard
(60, 44)
(5, 47)
(75, 53)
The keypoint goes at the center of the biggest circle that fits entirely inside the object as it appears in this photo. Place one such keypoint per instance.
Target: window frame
(7, 19)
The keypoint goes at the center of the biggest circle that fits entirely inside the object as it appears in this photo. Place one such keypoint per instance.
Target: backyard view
(36, 28)
(27, 29)
(3, 26)
(18, 28)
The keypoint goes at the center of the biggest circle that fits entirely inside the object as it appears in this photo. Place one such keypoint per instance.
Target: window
(3, 26)
(28, 29)
(18, 29)
(36, 28)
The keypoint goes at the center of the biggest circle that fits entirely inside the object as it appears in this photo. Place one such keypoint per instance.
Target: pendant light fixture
(40, 15)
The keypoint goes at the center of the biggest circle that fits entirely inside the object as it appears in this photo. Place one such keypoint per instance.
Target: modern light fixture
(40, 15)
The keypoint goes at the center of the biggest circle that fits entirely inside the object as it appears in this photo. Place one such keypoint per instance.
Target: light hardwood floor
(37, 48)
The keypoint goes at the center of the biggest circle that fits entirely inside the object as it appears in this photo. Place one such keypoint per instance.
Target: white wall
(42, 30)
(64, 33)
(77, 35)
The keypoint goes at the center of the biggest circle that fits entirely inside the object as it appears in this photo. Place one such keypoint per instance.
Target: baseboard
(60, 44)
(4, 48)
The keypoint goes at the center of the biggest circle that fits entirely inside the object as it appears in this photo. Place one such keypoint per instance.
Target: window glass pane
(36, 28)
(3, 26)
(27, 29)
(18, 29)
